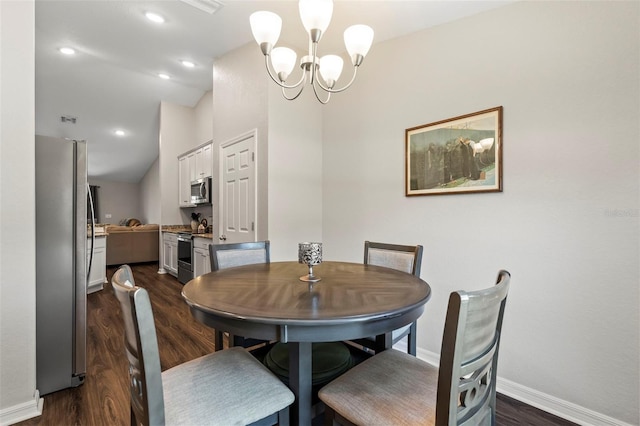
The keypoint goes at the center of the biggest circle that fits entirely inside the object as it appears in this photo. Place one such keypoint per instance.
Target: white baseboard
(23, 411)
(556, 406)
(548, 403)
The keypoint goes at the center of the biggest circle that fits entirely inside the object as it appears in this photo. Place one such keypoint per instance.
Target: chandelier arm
(342, 89)
(277, 81)
(284, 93)
(315, 92)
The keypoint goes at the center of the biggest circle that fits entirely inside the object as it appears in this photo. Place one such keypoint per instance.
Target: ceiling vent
(68, 119)
(209, 6)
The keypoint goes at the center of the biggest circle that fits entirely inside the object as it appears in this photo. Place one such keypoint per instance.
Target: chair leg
(236, 340)
(331, 418)
(283, 417)
(329, 415)
(411, 339)
(133, 418)
(383, 342)
(219, 342)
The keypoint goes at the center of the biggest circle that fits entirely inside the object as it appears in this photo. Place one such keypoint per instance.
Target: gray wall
(239, 106)
(18, 396)
(121, 200)
(289, 140)
(177, 135)
(566, 225)
(150, 194)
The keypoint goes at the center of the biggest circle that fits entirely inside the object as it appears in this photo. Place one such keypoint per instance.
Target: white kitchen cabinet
(98, 273)
(184, 181)
(201, 259)
(203, 165)
(193, 165)
(170, 253)
(191, 160)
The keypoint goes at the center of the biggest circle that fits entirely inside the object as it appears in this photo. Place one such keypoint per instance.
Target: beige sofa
(132, 244)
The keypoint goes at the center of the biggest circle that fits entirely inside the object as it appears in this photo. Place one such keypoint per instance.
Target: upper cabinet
(191, 161)
(203, 161)
(193, 165)
(184, 188)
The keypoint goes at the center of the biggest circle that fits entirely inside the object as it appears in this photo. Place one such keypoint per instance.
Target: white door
(238, 189)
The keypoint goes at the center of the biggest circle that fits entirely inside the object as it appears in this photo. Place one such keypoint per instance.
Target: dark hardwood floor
(103, 399)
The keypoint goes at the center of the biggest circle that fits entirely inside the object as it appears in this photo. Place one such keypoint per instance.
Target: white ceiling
(111, 83)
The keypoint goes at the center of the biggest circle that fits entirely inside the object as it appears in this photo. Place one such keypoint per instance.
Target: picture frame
(455, 156)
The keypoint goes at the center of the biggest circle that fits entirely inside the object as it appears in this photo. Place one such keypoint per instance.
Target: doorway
(238, 197)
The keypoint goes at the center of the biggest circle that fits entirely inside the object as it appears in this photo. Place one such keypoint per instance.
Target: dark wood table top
(273, 294)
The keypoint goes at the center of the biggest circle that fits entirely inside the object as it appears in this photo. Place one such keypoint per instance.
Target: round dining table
(270, 302)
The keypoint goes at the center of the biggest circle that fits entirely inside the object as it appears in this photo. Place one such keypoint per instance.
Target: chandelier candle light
(315, 16)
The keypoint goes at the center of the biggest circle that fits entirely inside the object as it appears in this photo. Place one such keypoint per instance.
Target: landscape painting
(457, 155)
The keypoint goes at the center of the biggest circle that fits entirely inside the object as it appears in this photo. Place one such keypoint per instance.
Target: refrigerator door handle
(93, 232)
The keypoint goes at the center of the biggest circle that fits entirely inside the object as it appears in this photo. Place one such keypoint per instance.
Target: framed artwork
(457, 155)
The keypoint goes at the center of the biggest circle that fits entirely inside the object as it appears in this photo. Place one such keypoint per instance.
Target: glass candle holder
(310, 254)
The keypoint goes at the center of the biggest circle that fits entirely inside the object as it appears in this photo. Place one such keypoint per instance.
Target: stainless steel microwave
(201, 191)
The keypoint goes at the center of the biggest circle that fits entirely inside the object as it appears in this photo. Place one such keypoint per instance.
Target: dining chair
(230, 255)
(403, 258)
(461, 391)
(229, 387)
(238, 254)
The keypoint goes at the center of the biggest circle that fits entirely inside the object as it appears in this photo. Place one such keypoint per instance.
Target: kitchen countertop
(178, 229)
(100, 234)
(175, 229)
(196, 235)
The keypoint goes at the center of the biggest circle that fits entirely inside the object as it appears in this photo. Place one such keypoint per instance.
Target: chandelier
(321, 73)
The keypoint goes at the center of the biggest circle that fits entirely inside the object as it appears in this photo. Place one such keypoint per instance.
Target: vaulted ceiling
(112, 82)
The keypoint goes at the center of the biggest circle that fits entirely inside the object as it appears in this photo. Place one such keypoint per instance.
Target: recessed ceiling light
(164, 76)
(154, 17)
(188, 64)
(67, 50)
(119, 132)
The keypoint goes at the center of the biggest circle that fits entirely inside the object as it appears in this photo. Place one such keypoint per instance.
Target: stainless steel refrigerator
(61, 263)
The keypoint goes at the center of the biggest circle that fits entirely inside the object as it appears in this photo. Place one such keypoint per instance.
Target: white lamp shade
(331, 67)
(283, 60)
(265, 27)
(358, 39)
(315, 14)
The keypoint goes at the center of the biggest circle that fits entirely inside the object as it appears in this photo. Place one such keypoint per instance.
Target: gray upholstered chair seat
(385, 377)
(227, 387)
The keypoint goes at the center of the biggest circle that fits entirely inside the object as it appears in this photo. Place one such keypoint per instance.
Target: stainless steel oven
(185, 263)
